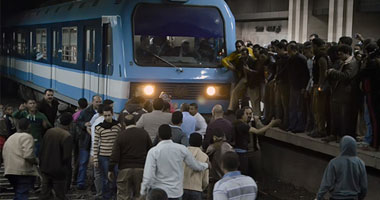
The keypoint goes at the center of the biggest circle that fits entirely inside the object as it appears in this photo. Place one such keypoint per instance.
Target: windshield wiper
(178, 69)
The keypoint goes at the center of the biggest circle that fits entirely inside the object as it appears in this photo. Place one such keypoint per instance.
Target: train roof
(85, 9)
(69, 11)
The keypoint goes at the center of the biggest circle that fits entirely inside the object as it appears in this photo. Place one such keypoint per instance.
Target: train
(119, 49)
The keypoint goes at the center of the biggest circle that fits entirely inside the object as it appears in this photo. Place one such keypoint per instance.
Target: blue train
(123, 48)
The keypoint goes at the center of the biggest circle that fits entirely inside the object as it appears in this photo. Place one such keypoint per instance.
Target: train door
(55, 54)
(107, 53)
(92, 65)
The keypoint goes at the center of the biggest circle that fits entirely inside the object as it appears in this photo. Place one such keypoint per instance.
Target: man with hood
(345, 176)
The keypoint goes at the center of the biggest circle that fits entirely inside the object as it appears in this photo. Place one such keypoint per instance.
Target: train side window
(69, 44)
(14, 42)
(3, 43)
(21, 44)
(90, 45)
(31, 42)
(41, 43)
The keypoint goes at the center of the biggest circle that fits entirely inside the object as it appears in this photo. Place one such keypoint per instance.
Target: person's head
(230, 162)
(8, 109)
(82, 103)
(65, 119)
(256, 49)
(217, 111)
(157, 194)
(313, 36)
(108, 102)
(345, 40)
(332, 52)
(158, 104)
(96, 101)
(249, 44)
(185, 46)
(239, 45)
(318, 45)
(148, 106)
(129, 120)
(280, 48)
(241, 115)
(166, 107)
(308, 50)
(195, 140)
(244, 52)
(263, 55)
(177, 117)
(185, 107)
(193, 110)
(31, 105)
(292, 49)
(49, 95)
(357, 47)
(347, 146)
(249, 112)
(344, 52)
(23, 125)
(370, 49)
(108, 113)
(164, 132)
(101, 109)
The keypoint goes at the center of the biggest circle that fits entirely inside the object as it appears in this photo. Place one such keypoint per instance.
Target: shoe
(81, 187)
(298, 131)
(329, 138)
(317, 135)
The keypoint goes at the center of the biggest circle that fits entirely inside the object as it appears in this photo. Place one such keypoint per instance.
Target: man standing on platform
(49, 106)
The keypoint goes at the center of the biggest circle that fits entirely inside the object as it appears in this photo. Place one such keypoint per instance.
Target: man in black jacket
(55, 159)
(49, 106)
(344, 94)
(129, 153)
(298, 79)
(85, 139)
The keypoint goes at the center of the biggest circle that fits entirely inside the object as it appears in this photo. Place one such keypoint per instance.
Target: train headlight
(148, 90)
(211, 91)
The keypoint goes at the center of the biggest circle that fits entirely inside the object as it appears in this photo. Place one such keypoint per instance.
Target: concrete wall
(300, 167)
(246, 31)
(367, 24)
(317, 23)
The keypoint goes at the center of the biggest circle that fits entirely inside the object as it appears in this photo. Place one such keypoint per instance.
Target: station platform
(371, 158)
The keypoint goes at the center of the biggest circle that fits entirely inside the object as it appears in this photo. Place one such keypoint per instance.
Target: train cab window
(90, 45)
(188, 36)
(41, 43)
(21, 44)
(69, 44)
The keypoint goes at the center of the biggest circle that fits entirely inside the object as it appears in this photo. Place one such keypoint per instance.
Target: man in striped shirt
(105, 136)
(234, 185)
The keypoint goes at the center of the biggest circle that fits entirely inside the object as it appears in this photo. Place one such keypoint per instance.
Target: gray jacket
(178, 136)
(345, 176)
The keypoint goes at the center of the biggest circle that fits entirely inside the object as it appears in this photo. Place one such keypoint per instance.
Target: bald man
(219, 123)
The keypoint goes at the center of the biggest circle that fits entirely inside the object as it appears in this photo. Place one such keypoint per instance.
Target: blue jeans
(37, 146)
(191, 195)
(297, 119)
(21, 185)
(84, 156)
(108, 188)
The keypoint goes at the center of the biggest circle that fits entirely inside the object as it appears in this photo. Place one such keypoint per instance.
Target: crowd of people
(326, 89)
(152, 150)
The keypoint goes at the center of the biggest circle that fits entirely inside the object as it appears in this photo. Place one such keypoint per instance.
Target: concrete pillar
(297, 20)
(330, 32)
(349, 17)
(340, 19)
(290, 20)
(305, 17)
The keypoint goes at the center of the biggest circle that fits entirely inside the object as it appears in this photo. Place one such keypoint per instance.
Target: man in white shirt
(164, 165)
(188, 121)
(151, 121)
(200, 124)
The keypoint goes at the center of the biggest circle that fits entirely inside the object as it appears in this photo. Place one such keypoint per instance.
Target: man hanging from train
(236, 62)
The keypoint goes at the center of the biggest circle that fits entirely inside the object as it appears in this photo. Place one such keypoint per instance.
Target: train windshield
(186, 36)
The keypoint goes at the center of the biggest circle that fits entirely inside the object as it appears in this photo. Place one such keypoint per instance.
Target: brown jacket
(215, 152)
(192, 180)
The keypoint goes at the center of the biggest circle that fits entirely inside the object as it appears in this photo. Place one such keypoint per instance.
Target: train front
(176, 47)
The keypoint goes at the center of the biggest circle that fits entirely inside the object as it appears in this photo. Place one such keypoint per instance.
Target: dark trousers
(309, 112)
(129, 183)
(269, 101)
(191, 195)
(243, 168)
(21, 185)
(84, 156)
(58, 185)
(320, 102)
(210, 188)
(344, 119)
(296, 110)
(282, 104)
